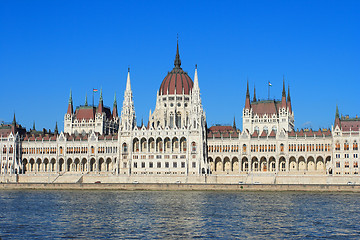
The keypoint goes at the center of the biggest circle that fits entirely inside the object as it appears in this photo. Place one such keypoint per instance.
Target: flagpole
(268, 91)
(93, 98)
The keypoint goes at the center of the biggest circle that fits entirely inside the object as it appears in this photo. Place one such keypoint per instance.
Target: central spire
(177, 61)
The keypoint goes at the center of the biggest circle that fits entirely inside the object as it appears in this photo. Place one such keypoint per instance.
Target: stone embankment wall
(252, 181)
(180, 187)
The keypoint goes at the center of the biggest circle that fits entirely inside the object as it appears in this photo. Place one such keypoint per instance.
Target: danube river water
(172, 215)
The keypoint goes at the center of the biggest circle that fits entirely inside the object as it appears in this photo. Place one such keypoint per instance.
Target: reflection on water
(169, 214)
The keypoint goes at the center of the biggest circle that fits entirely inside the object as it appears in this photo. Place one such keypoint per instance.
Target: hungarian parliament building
(176, 142)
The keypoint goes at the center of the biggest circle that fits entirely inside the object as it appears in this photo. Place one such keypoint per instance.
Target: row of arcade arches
(271, 164)
(69, 165)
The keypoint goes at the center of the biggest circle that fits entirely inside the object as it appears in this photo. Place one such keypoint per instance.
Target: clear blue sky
(50, 47)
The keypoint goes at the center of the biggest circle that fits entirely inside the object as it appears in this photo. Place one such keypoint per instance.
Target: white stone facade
(176, 142)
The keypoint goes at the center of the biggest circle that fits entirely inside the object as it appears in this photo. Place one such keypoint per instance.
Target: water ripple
(178, 215)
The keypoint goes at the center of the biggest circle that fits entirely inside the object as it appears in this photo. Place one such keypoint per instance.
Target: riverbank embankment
(180, 187)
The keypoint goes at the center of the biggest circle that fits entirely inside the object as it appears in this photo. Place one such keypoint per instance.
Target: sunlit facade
(176, 140)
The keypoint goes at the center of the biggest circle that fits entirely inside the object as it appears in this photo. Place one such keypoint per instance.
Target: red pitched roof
(255, 134)
(221, 128)
(86, 113)
(263, 134)
(272, 134)
(347, 125)
(5, 132)
(265, 107)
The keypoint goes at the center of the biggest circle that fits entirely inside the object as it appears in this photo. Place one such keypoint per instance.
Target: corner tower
(268, 115)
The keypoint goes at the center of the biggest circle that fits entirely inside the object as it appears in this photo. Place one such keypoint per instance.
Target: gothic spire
(86, 102)
(283, 99)
(56, 128)
(196, 80)
(70, 98)
(288, 96)
(128, 85)
(34, 126)
(289, 100)
(115, 112)
(127, 119)
(247, 89)
(283, 91)
(14, 120)
(337, 117)
(247, 99)
(70, 105)
(101, 103)
(115, 102)
(254, 100)
(234, 124)
(177, 61)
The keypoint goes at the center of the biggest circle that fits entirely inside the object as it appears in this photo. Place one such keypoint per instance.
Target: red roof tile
(255, 134)
(86, 113)
(272, 134)
(176, 82)
(347, 125)
(265, 107)
(263, 134)
(221, 128)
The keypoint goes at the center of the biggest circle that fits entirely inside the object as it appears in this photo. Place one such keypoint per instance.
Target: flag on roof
(270, 84)
(95, 90)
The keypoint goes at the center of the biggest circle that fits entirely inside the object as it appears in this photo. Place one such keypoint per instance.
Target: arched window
(193, 147)
(355, 145)
(282, 147)
(178, 120)
(92, 150)
(124, 148)
(337, 146)
(61, 150)
(244, 148)
(171, 120)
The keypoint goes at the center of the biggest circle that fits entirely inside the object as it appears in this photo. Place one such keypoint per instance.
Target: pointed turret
(247, 99)
(34, 127)
(234, 124)
(56, 130)
(86, 102)
(70, 106)
(14, 120)
(128, 110)
(13, 125)
(101, 103)
(177, 61)
(337, 117)
(115, 112)
(254, 99)
(289, 101)
(196, 80)
(283, 99)
(128, 84)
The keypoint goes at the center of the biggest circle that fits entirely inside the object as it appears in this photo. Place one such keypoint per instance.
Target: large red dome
(177, 81)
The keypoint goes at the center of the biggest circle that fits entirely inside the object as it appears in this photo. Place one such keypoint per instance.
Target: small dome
(177, 81)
